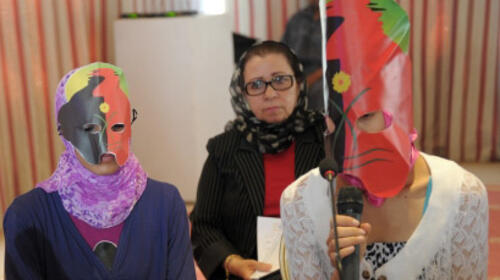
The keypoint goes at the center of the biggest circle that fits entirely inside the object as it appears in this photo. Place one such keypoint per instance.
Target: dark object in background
(156, 15)
(241, 44)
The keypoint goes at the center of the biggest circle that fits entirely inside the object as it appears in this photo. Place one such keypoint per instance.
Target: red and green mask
(369, 70)
(96, 118)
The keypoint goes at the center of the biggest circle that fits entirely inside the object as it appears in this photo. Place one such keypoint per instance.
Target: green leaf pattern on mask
(394, 20)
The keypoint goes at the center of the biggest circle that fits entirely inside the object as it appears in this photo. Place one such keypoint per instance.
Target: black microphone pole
(327, 168)
(350, 203)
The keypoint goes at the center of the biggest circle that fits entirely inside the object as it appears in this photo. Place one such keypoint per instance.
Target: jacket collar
(249, 163)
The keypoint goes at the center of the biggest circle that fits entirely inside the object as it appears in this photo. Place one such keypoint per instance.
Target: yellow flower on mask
(341, 82)
(104, 107)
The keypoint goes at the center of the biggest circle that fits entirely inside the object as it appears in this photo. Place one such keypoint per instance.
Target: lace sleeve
(298, 230)
(470, 235)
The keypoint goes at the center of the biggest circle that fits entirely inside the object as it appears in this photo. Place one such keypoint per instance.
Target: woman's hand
(244, 268)
(350, 233)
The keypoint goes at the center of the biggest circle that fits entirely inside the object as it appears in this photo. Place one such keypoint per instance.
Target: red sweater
(95, 235)
(279, 172)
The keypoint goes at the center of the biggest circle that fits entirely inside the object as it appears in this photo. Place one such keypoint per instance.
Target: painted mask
(368, 71)
(97, 117)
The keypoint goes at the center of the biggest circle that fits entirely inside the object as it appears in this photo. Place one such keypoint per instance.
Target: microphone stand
(332, 187)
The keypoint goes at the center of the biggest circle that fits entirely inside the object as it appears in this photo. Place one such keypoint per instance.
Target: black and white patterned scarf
(269, 137)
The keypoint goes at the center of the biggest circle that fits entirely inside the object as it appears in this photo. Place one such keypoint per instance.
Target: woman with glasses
(273, 140)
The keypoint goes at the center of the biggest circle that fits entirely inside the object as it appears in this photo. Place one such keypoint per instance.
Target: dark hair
(268, 47)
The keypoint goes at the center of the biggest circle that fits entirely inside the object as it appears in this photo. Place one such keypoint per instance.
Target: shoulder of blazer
(227, 143)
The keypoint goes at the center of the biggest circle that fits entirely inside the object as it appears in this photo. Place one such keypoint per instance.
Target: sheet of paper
(268, 243)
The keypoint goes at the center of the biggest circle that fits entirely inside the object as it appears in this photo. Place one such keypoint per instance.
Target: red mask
(369, 71)
(118, 117)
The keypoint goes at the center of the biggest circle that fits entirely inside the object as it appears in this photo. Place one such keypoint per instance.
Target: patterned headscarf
(100, 201)
(270, 137)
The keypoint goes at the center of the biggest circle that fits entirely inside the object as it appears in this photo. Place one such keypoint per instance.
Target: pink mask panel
(369, 71)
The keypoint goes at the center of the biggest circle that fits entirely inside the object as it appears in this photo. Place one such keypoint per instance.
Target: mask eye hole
(92, 128)
(119, 127)
(371, 122)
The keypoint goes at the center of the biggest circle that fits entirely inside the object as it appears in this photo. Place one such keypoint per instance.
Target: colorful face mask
(100, 201)
(97, 117)
(369, 71)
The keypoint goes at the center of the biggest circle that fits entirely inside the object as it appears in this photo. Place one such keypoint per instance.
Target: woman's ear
(134, 115)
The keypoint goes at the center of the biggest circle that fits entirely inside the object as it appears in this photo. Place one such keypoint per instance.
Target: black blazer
(231, 196)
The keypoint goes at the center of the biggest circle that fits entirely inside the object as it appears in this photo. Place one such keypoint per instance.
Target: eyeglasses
(279, 83)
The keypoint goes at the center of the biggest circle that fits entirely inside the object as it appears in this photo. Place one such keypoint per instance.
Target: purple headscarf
(100, 201)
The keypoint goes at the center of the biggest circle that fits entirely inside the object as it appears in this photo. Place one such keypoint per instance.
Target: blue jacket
(43, 243)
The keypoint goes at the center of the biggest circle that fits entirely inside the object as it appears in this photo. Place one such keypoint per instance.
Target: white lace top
(450, 242)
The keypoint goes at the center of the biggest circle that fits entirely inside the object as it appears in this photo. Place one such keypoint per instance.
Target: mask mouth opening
(374, 122)
(107, 157)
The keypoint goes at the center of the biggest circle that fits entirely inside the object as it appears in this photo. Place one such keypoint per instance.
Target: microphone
(350, 203)
(327, 168)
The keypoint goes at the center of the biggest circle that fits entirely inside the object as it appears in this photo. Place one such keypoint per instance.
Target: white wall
(178, 70)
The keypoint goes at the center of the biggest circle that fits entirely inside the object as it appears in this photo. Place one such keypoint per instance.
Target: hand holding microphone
(346, 232)
(350, 232)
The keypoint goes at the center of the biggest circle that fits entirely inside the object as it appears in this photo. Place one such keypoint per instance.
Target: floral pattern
(341, 82)
(104, 107)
